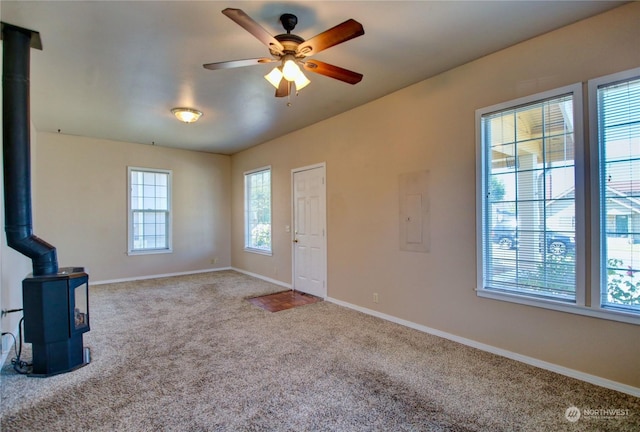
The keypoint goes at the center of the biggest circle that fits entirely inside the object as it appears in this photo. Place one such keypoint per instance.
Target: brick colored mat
(283, 300)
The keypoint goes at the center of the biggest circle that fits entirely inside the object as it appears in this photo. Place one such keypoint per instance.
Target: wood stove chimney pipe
(16, 149)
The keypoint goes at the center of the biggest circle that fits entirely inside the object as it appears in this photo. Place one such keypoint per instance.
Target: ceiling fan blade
(332, 71)
(341, 33)
(284, 88)
(237, 63)
(247, 23)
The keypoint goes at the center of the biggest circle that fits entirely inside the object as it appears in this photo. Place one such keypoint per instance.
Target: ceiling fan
(292, 51)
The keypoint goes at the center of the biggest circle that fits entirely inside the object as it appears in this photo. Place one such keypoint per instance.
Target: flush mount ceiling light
(292, 52)
(186, 115)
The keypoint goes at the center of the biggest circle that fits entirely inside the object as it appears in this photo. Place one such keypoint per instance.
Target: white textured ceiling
(114, 69)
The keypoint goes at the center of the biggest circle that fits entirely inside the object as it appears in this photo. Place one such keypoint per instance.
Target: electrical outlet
(375, 297)
(214, 260)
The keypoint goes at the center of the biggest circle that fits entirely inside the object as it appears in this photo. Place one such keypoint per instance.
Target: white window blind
(149, 210)
(528, 206)
(618, 106)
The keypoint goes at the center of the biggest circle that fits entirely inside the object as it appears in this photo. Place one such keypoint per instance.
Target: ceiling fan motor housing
(289, 21)
(289, 42)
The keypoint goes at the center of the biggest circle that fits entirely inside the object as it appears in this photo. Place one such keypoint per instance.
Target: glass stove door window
(619, 144)
(529, 202)
(150, 210)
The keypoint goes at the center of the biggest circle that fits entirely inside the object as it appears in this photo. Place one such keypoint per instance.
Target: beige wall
(430, 126)
(81, 206)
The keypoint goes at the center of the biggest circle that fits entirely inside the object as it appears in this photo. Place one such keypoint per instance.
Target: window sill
(561, 306)
(258, 251)
(149, 252)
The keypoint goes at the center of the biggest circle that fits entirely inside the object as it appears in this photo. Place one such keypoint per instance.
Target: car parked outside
(505, 235)
(559, 243)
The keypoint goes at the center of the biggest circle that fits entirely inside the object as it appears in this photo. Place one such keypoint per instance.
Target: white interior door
(309, 231)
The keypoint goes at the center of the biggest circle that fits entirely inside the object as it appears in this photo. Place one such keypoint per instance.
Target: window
(528, 216)
(149, 211)
(257, 208)
(534, 178)
(616, 139)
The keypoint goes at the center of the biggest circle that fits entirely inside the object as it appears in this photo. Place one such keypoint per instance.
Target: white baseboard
(157, 276)
(264, 278)
(572, 373)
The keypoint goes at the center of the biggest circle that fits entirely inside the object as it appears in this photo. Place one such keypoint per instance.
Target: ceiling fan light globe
(274, 77)
(290, 70)
(301, 81)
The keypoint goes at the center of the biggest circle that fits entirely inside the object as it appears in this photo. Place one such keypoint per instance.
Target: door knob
(295, 240)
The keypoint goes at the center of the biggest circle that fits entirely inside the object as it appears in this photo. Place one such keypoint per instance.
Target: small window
(257, 206)
(149, 211)
(617, 112)
(528, 196)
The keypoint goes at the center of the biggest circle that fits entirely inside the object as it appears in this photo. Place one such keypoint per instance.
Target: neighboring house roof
(632, 203)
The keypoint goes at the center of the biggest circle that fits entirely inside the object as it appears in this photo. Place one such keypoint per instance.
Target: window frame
(598, 263)
(575, 90)
(589, 281)
(130, 213)
(246, 228)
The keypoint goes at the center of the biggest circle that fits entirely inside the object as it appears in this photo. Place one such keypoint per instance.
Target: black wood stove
(56, 312)
(55, 300)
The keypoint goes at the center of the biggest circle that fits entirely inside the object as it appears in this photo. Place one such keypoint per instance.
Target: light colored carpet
(190, 354)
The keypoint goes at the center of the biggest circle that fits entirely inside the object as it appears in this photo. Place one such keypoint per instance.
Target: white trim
(256, 170)
(562, 370)
(169, 248)
(310, 167)
(149, 252)
(246, 213)
(325, 229)
(158, 276)
(264, 278)
(580, 204)
(258, 251)
(558, 305)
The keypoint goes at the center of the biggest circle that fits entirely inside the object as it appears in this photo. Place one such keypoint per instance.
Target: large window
(616, 146)
(257, 207)
(149, 211)
(535, 173)
(528, 203)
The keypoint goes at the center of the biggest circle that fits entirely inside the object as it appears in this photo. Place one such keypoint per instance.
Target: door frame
(323, 166)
